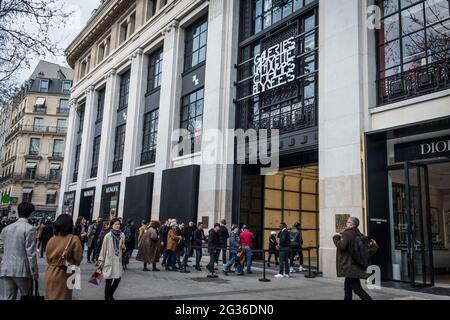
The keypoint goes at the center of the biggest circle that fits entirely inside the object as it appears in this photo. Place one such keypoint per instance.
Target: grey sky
(83, 10)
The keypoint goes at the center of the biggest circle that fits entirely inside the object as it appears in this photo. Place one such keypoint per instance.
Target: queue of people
(110, 245)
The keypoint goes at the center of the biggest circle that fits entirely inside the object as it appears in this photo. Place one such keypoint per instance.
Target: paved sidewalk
(137, 284)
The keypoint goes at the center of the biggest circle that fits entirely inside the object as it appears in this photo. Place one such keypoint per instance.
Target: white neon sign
(274, 66)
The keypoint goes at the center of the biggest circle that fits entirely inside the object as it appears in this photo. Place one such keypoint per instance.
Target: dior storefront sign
(424, 149)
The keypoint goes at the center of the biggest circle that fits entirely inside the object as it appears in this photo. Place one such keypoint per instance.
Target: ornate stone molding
(110, 73)
(137, 53)
(173, 25)
(73, 102)
(89, 90)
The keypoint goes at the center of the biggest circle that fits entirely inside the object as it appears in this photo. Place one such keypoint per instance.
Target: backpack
(127, 232)
(360, 250)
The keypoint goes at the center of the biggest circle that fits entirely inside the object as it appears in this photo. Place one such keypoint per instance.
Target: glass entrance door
(419, 240)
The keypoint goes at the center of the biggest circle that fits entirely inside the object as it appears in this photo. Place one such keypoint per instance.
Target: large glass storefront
(417, 222)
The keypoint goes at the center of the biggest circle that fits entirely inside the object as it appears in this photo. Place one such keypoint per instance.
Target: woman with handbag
(63, 249)
(110, 258)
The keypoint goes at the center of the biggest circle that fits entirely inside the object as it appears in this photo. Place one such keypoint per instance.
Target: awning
(40, 101)
(55, 166)
(51, 192)
(31, 165)
(27, 190)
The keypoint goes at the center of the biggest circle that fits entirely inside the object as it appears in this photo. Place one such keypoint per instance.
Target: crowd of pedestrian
(110, 245)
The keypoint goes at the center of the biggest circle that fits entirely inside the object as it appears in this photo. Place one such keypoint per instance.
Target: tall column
(86, 143)
(107, 137)
(168, 106)
(216, 179)
(340, 120)
(136, 101)
(68, 153)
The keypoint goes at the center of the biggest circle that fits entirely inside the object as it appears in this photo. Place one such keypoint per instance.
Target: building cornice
(105, 16)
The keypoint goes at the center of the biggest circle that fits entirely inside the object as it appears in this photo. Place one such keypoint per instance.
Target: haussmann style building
(34, 127)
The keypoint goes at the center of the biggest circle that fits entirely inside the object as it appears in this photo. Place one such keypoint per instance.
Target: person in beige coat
(63, 246)
(110, 258)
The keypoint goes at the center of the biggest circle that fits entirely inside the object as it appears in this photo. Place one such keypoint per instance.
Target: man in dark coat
(223, 239)
(213, 242)
(345, 265)
(164, 231)
(46, 234)
(199, 240)
(284, 248)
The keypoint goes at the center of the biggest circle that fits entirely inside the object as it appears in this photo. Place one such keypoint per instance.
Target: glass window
(61, 126)
(413, 34)
(95, 156)
(30, 173)
(58, 148)
(34, 146)
(38, 125)
(192, 119)
(149, 139)
(195, 46)
(76, 163)
(80, 112)
(43, 85)
(124, 90)
(63, 106)
(154, 70)
(27, 196)
(119, 146)
(66, 85)
(100, 104)
(51, 198)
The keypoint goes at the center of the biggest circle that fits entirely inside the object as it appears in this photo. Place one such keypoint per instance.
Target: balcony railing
(294, 119)
(413, 83)
(148, 157)
(117, 165)
(36, 129)
(34, 177)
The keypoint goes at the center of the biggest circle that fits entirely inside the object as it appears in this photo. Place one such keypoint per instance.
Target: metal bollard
(309, 274)
(264, 279)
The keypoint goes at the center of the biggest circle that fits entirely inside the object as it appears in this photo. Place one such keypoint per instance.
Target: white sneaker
(292, 270)
(279, 275)
(300, 269)
(285, 275)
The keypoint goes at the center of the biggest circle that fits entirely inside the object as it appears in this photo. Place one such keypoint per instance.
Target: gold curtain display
(293, 196)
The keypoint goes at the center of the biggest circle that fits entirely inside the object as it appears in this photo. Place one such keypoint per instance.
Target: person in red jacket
(246, 237)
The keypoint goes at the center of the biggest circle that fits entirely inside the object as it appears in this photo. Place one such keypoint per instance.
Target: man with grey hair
(18, 255)
(347, 265)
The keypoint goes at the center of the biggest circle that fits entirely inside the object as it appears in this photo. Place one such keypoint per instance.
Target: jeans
(354, 284)
(111, 287)
(284, 261)
(187, 250)
(171, 258)
(212, 260)
(248, 259)
(294, 252)
(231, 262)
(198, 257)
(270, 257)
(224, 254)
(165, 254)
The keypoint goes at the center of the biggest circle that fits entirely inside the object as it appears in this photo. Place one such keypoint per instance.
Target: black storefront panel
(179, 193)
(87, 203)
(138, 198)
(68, 203)
(377, 202)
